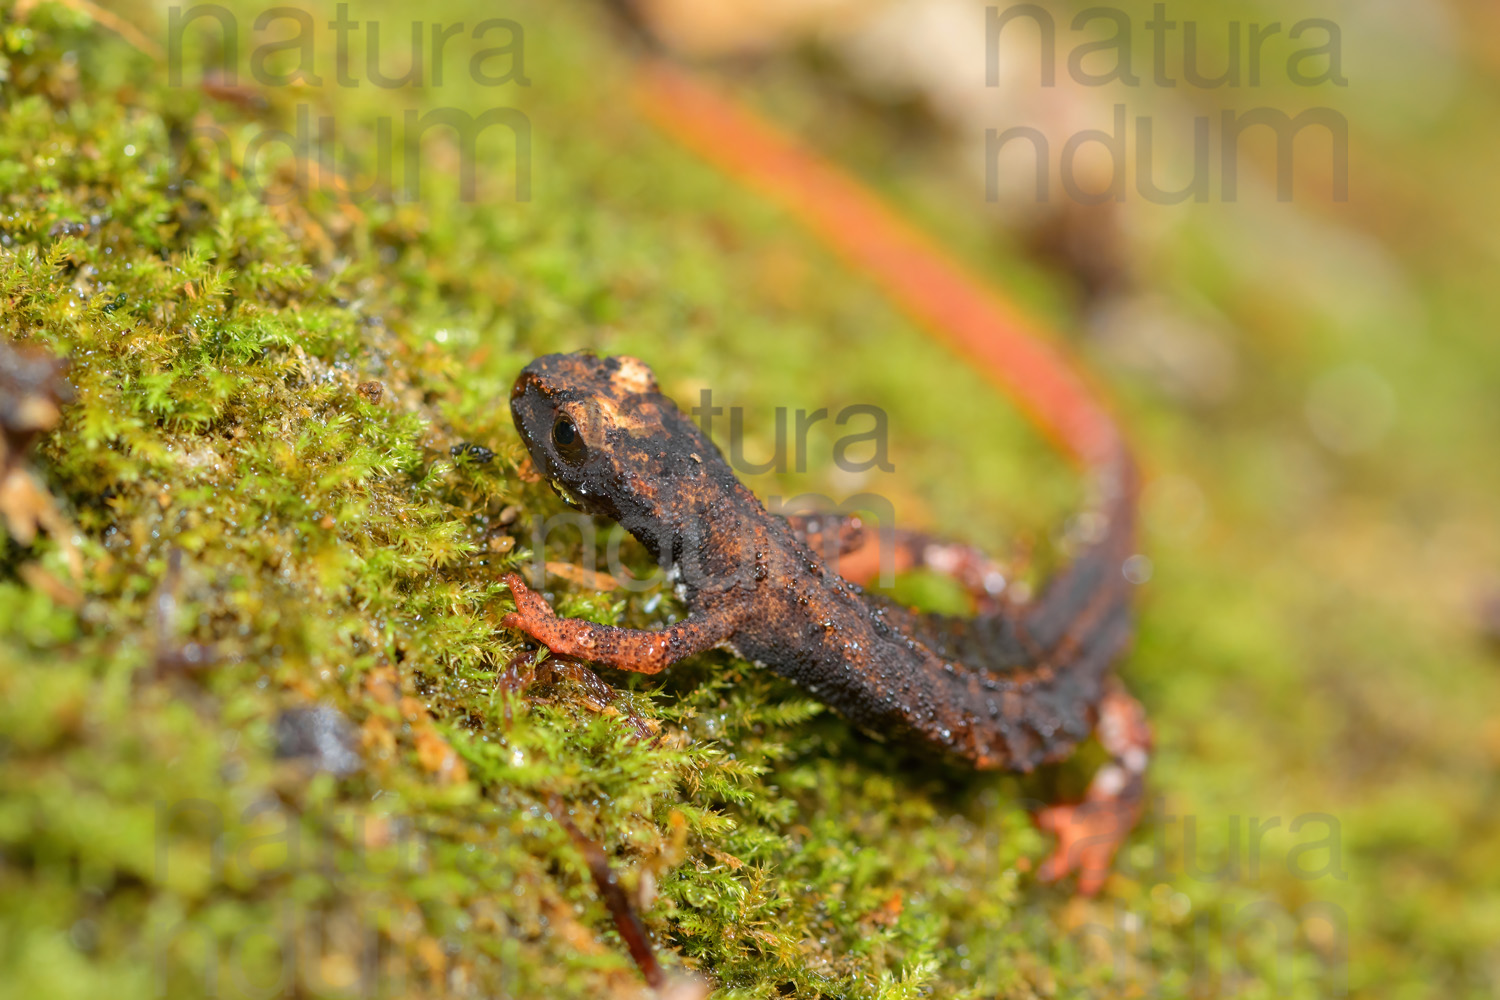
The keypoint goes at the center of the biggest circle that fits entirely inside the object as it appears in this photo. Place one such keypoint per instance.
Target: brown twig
(627, 921)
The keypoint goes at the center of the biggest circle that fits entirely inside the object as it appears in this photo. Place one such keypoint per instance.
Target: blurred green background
(1310, 385)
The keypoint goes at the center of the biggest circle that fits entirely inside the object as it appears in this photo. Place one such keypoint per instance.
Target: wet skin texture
(1015, 686)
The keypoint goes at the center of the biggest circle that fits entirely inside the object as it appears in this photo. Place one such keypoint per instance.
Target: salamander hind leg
(860, 554)
(1089, 833)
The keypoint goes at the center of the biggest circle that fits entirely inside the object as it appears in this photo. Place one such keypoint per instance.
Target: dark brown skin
(1016, 686)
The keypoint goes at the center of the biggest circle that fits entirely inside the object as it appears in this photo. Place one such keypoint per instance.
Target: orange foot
(1089, 834)
(531, 607)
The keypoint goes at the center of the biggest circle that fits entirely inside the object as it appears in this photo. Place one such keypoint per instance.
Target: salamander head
(607, 440)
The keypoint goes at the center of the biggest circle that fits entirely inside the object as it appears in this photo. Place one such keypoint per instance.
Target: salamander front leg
(628, 649)
(1090, 832)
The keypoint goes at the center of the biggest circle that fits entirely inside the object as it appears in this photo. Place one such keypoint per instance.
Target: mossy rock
(290, 476)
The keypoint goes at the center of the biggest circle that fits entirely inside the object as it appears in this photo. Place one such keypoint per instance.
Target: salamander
(1019, 684)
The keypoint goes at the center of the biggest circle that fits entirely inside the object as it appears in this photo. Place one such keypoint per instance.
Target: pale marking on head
(598, 413)
(633, 375)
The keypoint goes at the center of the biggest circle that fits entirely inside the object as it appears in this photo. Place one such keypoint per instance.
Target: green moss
(335, 549)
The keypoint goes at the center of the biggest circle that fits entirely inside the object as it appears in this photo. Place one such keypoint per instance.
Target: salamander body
(1018, 685)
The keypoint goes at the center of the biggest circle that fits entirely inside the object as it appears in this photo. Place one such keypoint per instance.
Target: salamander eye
(568, 441)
